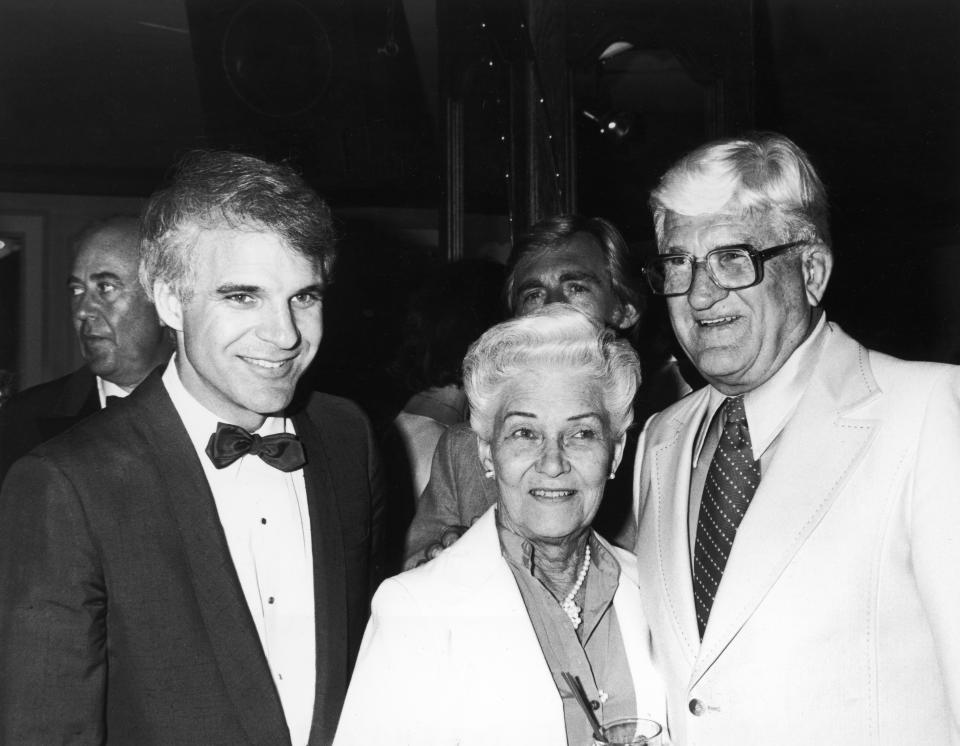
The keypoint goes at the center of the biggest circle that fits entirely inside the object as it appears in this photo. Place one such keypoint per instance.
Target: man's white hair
(764, 174)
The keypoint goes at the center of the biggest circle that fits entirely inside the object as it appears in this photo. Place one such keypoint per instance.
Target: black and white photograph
(474, 372)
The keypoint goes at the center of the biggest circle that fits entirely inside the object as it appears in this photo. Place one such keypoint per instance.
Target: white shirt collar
(199, 421)
(265, 517)
(107, 388)
(772, 403)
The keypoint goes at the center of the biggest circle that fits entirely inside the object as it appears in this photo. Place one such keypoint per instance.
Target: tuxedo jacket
(122, 619)
(838, 613)
(39, 413)
(451, 657)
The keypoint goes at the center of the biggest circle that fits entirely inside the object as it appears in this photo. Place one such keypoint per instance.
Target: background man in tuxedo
(799, 513)
(121, 340)
(194, 564)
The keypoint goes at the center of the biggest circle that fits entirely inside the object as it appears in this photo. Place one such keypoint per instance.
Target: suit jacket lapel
(223, 607)
(647, 685)
(488, 584)
(818, 450)
(670, 489)
(329, 573)
(78, 399)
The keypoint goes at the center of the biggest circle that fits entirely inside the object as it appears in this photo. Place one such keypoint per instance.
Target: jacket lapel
(669, 498)
(648, 687)
(818, 450)
(219, 596)
(527, 696)
(329, 572)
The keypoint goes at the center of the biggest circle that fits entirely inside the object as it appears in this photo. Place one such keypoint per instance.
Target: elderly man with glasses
(798, 515)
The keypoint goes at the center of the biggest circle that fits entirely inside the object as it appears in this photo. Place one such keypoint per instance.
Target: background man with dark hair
(194, 564)
(121, 340)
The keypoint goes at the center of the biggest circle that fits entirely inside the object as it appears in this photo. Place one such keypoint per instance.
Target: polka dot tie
(731, 483)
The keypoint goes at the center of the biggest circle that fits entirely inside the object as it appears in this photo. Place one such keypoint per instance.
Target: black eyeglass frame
(757, 257)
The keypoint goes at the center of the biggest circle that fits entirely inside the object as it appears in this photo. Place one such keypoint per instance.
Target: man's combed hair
(221, 189)
(554, 232)
(556, 337)
(764, 174)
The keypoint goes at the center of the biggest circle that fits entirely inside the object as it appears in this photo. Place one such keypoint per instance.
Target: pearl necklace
(569, 605)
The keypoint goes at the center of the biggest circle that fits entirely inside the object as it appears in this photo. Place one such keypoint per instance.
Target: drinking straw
(581, 696)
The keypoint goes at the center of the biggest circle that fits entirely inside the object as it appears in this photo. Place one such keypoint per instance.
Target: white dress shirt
(107, 388)
(266, 521)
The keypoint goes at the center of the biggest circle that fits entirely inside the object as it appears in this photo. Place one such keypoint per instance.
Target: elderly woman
(470, 648)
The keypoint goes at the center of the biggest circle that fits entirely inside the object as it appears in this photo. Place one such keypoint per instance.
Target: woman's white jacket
(450, 656)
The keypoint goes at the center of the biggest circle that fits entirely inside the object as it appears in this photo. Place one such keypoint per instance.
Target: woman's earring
(613, 475)
(488, 473)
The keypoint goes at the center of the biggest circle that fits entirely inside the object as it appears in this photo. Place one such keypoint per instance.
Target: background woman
(470, 647)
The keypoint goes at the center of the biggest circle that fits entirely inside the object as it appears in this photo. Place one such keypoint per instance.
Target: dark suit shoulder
(321, 405)
(346, 434)
(112, 437)
(44, 397)
(43, 411)
(328, 411)
(102, 437)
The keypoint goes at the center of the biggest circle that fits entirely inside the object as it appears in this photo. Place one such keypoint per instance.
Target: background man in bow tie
(194, 564)
(121, 340)
(800, 513)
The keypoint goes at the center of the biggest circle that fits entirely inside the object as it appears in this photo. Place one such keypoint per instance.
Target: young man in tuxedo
(194, 565)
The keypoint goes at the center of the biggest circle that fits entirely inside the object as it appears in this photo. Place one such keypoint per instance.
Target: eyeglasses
(730, 267)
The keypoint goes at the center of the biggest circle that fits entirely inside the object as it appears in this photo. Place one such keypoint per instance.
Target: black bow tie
(282, 451)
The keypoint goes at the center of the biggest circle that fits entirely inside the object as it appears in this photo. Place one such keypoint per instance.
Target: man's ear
(168, 304)
(486, 456)
(817, 264)
(625, 316)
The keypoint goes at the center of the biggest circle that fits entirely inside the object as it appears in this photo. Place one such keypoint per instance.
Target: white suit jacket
(838, 616)
(450, 655)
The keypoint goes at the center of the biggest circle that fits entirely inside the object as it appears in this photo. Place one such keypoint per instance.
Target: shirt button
(594, 704)
(270, 600)
(697, 707)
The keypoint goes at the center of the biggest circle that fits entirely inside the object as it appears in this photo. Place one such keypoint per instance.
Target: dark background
(99, 97)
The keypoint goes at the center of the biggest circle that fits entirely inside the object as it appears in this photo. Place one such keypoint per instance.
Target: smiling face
(574, 272)
(738, 339)
(120, 335)
(251, 326)
(551, 453)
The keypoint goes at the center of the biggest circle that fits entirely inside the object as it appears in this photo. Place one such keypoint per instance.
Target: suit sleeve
(52, 612)
(934, 520)
(438, 506)
(456, 496)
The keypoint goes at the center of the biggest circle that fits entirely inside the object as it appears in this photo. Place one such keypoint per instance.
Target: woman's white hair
(557, 337)
(764, 173)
